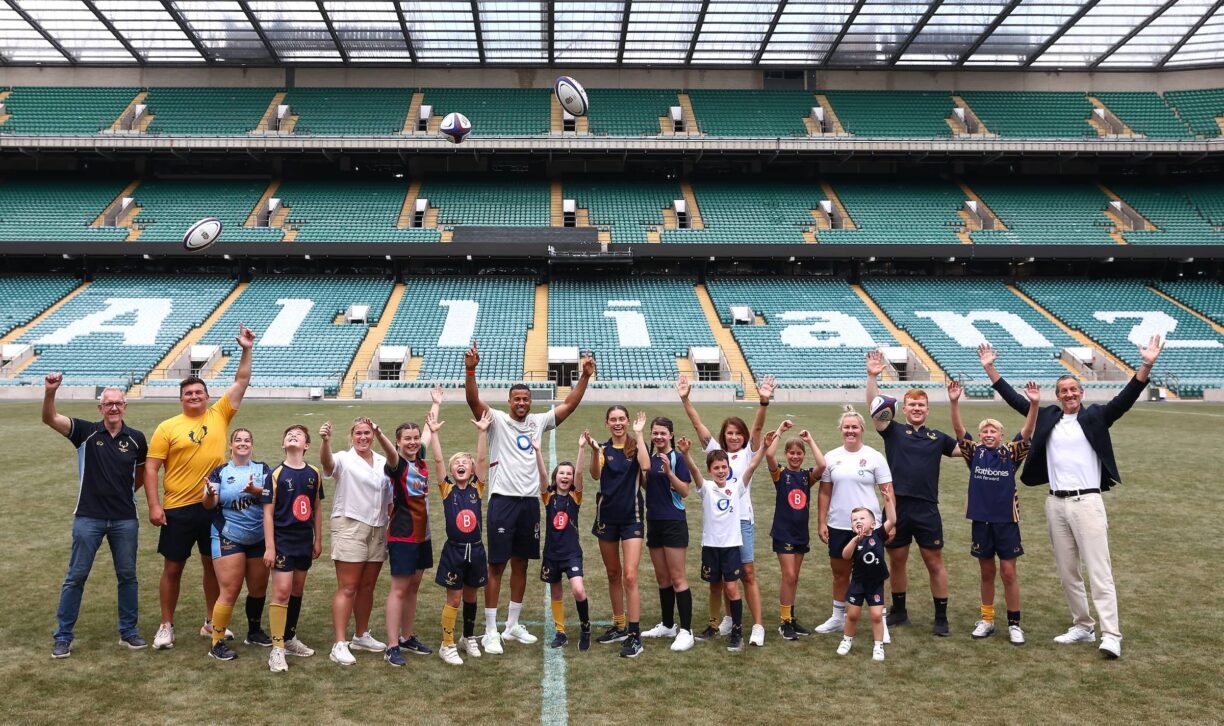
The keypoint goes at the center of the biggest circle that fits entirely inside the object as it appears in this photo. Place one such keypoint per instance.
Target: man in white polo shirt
(514, 486)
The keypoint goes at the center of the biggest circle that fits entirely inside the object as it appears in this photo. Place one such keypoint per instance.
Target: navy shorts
(721, 564)
(186, 527)
(918, 520)
(991, 539)
(222, 546)
(409, 557)
(551, 570)
(865, 593)
(791, 548)
(514, 528)
(292, 563)
(838, 539)
(666, 533)
(610, 532)
(462, 565)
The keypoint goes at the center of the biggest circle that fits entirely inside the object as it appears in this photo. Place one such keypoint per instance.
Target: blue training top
(663, 502)
(239, 517)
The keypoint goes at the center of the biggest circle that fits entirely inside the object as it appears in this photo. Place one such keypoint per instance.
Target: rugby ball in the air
(202, 234)
(883, 408)
(571, 95)
(455, 127)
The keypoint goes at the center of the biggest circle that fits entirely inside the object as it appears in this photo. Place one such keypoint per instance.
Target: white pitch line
(554, 702)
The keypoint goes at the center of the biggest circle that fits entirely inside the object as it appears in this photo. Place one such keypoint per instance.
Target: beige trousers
(1079, 533)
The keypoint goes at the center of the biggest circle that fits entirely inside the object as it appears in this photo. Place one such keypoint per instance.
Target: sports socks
(584, 615)
(513, 614)
(618, 621)
(715, 613)
(941, 608)
(469, 619)
(684, 603)
(490, 620)
(737, 613)
(448, 625)
(667, 603)
(292, 614)
(898, 599)
(220, 621)
(784, 612)
(277, 614)
(1013, 617)
(988, 613)
(839, 609)
(558, 613)
(634, 627)
(254, 612)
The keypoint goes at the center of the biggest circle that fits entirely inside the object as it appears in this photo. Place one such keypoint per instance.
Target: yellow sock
(220, 620)
(558, 613)
(278, 613)
(988, 613)
(619, 621)
(715, 612)
(785, 612)
(448, 625)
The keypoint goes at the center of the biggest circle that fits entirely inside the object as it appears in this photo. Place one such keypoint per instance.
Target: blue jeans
(87, 534)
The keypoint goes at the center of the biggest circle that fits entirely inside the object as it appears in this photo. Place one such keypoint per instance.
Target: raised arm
(435, 442)
(771, 440)
(61, 423)
(683, 387)
(390, 450)
(765, 390)
(325, 453)
(818, 460)
(576, 393)
(642, 455)
(987, 357)
(875, 366)
(678, 485)
(482, 443)
(212, 489)
(596, 467)
(771, 451)
(848, 550)
(890, 510)
(1033, 391)
(435, 408)
(242, 378)
(954, 394)
(471, 359)
(1126, 398)
(582, 439)
(685, 447)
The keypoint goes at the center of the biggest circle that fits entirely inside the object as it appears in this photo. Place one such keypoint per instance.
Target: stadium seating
(889, 212)
(626, 207)
(23, 298)
(57, 209)
(1177, 221)
(875, 113)
(169, 206)
(64, 110)
(810, 330)
(349, 111)
(488, 202)
(352, 211)
(299, 342)
(439, 317)
(1208, 198)
(1033, 114)
(1205, 296)
(114, 332)
(1199, 109)
(752, 113)
(628, 111)
(1049, 211)
(637, 327)
(495, 111)
(1145, 113)
(207, 111)
(950, 318)
(754, 213)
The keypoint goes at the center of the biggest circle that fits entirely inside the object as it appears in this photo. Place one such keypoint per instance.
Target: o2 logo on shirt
(724, 505)
(301, 508)
(869, 558)
(797, 499)
(560, 520)
(523, 442)
(465, 521)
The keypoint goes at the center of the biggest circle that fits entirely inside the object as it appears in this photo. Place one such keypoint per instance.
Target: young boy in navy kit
(562, 497)
(994, 508)
(866, 552)
(793, 485)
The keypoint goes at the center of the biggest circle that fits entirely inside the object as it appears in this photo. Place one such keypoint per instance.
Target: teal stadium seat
(23, 298)
(496, 111)
(1199, 109)
(48, 111)
(893, 114)
(769, 114)
(1146, 113)
(207, 111)
(488, 202)
(1047, 211)
(626, 208)
(349, 111)
(757, 212)
(1205, 296)
(918, 211)
(352, 211)
(628, 111)
(1177, 220)
(1033, 114)
(168, 207)
(57, 209)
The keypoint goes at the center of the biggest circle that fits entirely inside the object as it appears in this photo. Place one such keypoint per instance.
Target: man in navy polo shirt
(108, 454)
(914, 452)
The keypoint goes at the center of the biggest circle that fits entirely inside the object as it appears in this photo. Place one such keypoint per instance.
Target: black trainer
(710, 633)
(613, 635)
(632, 647)
(897, 617)
(260, 638)
(61, 649)
(787, 630)
(584, 639)
(561, 639)
(736, 642)
(415, 646)
(799, 629)
(221, 651)
(940, 627)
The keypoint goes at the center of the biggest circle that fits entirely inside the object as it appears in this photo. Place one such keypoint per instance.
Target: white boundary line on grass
(554, 701)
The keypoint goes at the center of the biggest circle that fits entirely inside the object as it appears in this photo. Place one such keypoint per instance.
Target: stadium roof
(1003, 34)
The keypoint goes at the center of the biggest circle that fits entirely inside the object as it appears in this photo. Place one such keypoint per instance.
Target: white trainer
(206, 631)
(758, 636)
(276, 661)
(470, 646)
(293, 646)
(877, 651)
(662, 631)
(365, 641)
(492, 643)
(683, 641)
(450, 654)
(846, 643)
(832, 625)
(887, 636)
(519, 633)
(1111, 646)
(164, 637)
(1015, 635)
(982, 630)
(1076, 634)
(724, 628)
(340, 654)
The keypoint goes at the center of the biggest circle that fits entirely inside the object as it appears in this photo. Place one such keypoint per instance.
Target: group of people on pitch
(253, 523)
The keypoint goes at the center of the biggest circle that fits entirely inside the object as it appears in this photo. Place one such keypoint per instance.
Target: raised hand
(987, 355)
(53, 381)
(955, 389)
(246, 337)
(683, 387)
(875, 363)
(435, 395)
(770, 437)
(471, 357)
(1151, 351)
(252, 488)
(1033, 391)
(325, 431)
(582, 438)
(683, 444)
(588, 365)
(431, 420)
(766, 388)
(785, 426)
(806, 437)
(665, 463)
(484, 422)
(639, 422)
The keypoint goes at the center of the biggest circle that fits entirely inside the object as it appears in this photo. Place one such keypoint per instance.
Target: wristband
(471, 371)
(764, 404)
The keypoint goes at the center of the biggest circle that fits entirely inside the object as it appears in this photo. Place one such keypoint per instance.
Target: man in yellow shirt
(190, 446)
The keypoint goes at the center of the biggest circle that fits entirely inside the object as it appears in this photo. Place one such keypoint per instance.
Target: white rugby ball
(883, 408)
(571, 95)
(455, 127)
(202, 234)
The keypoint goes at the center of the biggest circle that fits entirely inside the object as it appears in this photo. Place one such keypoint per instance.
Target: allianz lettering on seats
(460, 323)
(1152, 322)
(631, 329)
(146, 315)
(962, 327)
(824, 329)
(286, 323)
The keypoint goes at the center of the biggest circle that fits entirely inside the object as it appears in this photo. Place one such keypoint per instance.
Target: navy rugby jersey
(792, 505)
(992, 479)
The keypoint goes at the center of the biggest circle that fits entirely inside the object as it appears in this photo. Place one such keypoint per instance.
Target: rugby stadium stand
(625, 207)
(1205, 296)
(1035, 114)
(57, 209)
(1199, 109)
(759, 213)
(498, 202)
(349, 111)
(495, 111)
(23, 298)
(1048, 211)
(207, 111)
(628, 111)
(349, 211)
(875, 113)
(168, 207)
(1146, 113)
(1166, 206)
(64, 110)
(751, 113)
(917, 211)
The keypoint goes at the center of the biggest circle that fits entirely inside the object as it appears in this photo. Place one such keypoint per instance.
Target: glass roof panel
(150, 29)
(442, 32)
(1207, 45)
(660, 32)
(951, 31)
(1023, 32)
(513, 32)
(732, 31)
(369, 31)
(78, 30)
(805, 31)
(222, 28)
(586, 32)
(1153, 42)
(296, 30)
(1104, 25)
(21, 43)
(877, 32)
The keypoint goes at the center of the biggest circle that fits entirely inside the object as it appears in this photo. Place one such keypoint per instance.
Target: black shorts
(296, 562)
(409, 557)
(609, 532)
(721, 564)
(462, 565)
(991, 539)
(868, 594)
(918, 519)
(186, 527)
(791, 548)
(514, 528)
(838, 539)
(551, 570)
(227, 546)
(666, 533)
